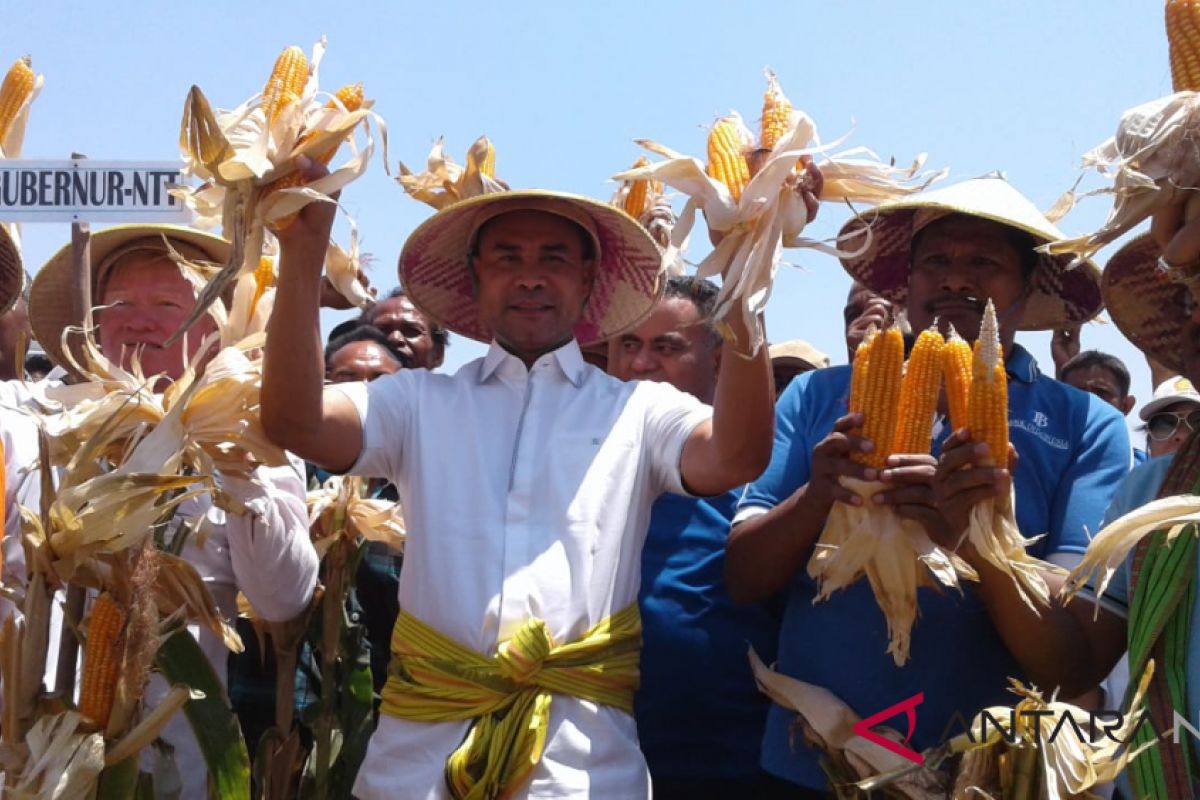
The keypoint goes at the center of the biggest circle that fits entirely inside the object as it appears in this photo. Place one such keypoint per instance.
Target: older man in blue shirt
(941, 255)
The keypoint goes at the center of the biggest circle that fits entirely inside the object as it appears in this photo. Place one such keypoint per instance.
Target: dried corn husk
(771, 213)
(993, 531)
(896, 555)
(63, 762)
(237, 154)
(444, 182)
(658, 218)
(828, 725)
(1153, 160)
(1110, 548)
(338, 508)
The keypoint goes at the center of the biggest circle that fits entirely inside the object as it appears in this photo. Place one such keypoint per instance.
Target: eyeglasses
(1163, 425)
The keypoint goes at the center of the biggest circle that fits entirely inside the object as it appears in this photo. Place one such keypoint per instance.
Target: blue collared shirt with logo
(1074, 450)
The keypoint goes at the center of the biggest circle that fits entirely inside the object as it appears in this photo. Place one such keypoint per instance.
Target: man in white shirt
(265, 553)
(526, 479)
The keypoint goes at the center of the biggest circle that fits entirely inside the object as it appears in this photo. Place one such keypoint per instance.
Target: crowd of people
(607, 509)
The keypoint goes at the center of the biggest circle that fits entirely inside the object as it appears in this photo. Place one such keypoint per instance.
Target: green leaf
(217, 732)
(119, 782)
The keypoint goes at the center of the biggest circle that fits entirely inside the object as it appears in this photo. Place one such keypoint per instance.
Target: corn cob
(101, 659)
(485, 166)
(286, 83)
(642, 192)
(1183, 40)
(881, 395)
(17, 86)
(987, 413)
(776, 114)
(919, 394)
(858, 374)
(351, 98)
(956, 366)
(264, 278)
(727, 144)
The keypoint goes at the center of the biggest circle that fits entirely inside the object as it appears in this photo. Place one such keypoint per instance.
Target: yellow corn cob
(727, 156)
(641, 192)
(987, 413)
(351, 97)
(1183, 41)
(484, 166)
(956, 366)
(881, 395)
(858, 373)
(264, 278)
(17, 86)
(919, 394)
(286, 83)
(776, 114)
(101, 659)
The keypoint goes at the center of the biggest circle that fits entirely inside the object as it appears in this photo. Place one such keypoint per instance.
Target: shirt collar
(1020, 365)
(569, 359)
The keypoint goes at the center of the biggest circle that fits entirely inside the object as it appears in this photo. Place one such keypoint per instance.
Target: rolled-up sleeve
(269, 545)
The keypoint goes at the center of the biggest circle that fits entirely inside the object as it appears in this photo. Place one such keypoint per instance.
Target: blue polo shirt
(1074, 450)
(699, 713)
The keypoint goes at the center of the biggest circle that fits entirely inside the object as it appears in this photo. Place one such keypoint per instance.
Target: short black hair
(700, 292)
(1024, 243)
(440, 336)
(1095, 358)
(364, 333)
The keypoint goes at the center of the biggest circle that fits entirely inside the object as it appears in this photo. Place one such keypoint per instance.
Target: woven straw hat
(1059, 297)
(12, 273)
(1145, 304)
(52, 294)
(433, 263)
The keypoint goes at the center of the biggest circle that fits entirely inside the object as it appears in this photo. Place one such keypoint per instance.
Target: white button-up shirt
(526, 493)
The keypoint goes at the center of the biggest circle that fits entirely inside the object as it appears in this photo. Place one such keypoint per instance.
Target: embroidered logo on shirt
(1034, 428)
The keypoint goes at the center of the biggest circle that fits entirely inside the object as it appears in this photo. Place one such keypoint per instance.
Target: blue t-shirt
(699, 713)
(1074, 450)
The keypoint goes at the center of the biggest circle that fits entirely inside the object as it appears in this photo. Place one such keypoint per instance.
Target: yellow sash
(434, 679)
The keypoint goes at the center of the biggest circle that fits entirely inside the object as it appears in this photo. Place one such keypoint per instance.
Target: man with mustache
(941, 255)
(526, 480)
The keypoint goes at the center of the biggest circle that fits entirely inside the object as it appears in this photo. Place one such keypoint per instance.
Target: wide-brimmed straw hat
(1060, 297)
(1146, 305)
(52, 297)
(12, 273)
(433, 263)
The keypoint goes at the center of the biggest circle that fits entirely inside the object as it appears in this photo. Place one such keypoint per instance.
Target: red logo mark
(909, 706)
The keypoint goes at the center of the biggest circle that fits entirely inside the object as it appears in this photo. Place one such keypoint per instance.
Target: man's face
(673, 346)
(408, 330)
(1101, 382)
(360, 361)
(532, 280)
(864, 309)
(1169, 427)
(958, 263)
(145, 301)
(13, 326)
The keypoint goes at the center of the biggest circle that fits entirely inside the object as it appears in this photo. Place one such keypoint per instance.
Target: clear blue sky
(563, 88)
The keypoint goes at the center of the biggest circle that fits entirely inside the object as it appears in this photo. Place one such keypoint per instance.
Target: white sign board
(89, 191)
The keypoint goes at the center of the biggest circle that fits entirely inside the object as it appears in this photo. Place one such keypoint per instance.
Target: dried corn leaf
(771, 212)
(1152, 161)
(1110, 548)
(63, 763)
(444, 182)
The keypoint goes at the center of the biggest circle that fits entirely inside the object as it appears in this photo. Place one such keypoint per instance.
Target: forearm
(1053, 646)
(293, 361)
(764, 553)
(744, 408)
(269, 545)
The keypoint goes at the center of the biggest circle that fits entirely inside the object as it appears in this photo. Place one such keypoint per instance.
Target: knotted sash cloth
(432, 678)
(1160, 612)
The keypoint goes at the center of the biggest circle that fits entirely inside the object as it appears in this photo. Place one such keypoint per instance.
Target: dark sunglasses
(1164, 424)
